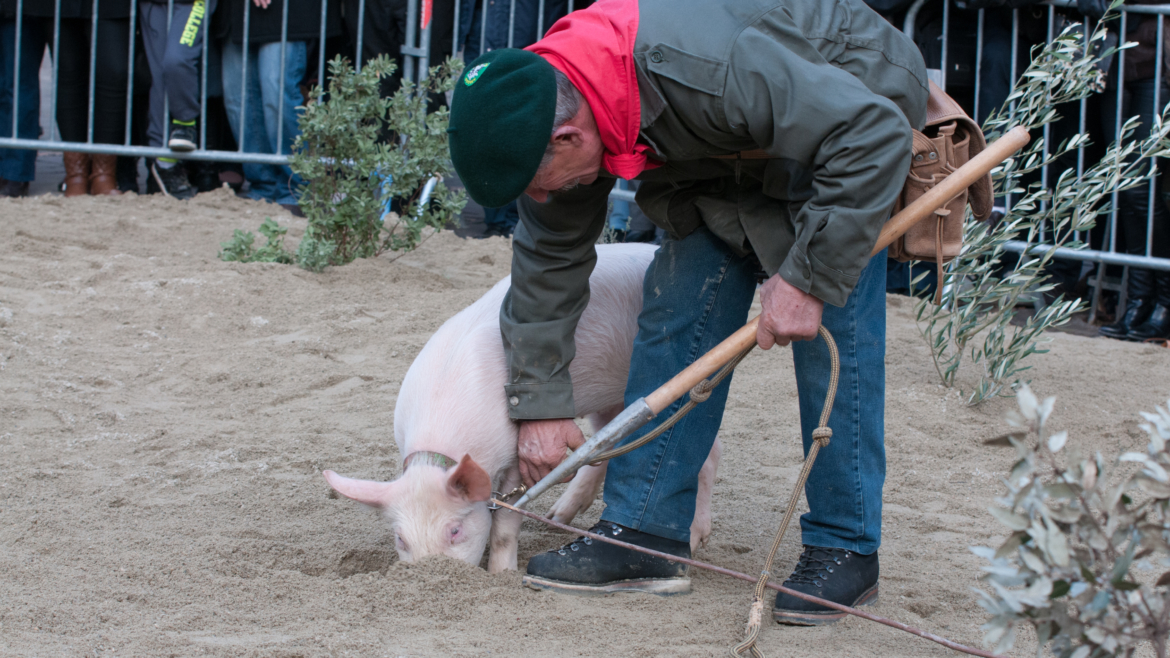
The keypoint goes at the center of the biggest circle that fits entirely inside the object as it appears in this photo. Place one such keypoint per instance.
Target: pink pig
(451, 422)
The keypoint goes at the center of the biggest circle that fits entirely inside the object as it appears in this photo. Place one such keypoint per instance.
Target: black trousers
(384, 32)
(110, 78)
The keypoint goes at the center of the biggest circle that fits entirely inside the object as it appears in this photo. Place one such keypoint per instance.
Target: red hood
(594, 47)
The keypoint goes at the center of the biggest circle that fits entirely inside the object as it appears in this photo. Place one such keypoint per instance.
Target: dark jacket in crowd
(304, 20)
(69, 8)
(1141, 60)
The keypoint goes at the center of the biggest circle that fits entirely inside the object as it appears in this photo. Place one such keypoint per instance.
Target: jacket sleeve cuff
(540, 401)
(803, 270)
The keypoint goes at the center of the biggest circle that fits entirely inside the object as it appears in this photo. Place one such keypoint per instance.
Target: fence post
(322, 76)
(16, 61)
(283, 56)
(93, 72)
(244, 77)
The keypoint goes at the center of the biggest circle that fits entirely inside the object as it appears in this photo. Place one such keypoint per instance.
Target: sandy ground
(164, 418)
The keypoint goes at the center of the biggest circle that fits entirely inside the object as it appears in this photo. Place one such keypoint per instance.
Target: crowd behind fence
(241, 67)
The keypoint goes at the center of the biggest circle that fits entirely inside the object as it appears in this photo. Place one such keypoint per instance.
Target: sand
(165, 416)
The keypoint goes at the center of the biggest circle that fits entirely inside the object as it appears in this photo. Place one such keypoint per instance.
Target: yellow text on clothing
(191, 29)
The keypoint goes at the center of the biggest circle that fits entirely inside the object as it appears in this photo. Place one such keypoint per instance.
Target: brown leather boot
(103, 176)
(76, 173)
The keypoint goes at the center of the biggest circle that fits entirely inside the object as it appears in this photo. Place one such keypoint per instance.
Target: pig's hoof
(569, 505)
(699, 536)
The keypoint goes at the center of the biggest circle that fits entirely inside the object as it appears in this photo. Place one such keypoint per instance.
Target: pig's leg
(580, 495)
(701, 526)
(583, 489)
(505, 530)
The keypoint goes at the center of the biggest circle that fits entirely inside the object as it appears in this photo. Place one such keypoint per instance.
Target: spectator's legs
(1133, 214)
(72, 53)
(109, 113)
(17, 166)
(995, 78)
(501, 221)
(271, 89)
(261, 181)
(182, 57)
(110, 78)
(383, 33)
(152, 19)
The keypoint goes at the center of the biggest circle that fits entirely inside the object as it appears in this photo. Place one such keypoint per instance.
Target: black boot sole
(1116, 335)
(656, 586)
(826, 617)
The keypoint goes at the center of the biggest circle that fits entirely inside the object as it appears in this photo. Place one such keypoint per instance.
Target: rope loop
(702, 391)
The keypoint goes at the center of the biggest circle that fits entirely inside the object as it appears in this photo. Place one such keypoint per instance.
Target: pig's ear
(469, 481)
(367, 492)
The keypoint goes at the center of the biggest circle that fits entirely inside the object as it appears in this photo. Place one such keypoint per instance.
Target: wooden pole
(934, 198)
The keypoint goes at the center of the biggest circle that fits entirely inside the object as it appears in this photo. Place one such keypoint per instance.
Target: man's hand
(544, 444)
(789, 314)
(263, 4)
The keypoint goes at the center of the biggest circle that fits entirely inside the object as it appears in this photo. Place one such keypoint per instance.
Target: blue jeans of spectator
(696, 293)
(504, 217)
(500, 21)
(20, 164)
(275, 183)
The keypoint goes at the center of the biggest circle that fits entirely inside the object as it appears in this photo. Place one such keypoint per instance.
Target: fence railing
(416, 56)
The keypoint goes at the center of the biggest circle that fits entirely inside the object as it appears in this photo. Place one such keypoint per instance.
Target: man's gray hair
(568, 104)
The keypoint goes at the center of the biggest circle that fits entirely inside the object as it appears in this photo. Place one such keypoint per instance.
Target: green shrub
(358, 151)
(239, 248)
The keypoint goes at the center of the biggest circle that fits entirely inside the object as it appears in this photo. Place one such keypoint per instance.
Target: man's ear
(568, 135)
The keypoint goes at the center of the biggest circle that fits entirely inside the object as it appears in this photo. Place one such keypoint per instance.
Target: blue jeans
(696, 293)
(275, 183)
(20, 164)
(504, 217)
(498, 21)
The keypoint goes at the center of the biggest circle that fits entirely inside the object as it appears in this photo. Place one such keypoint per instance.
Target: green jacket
(828, 88)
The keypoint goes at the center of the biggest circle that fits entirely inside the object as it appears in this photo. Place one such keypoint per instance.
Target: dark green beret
(501, 120)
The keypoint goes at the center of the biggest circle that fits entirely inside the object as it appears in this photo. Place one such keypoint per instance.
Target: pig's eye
(455, 534)
(401, 545)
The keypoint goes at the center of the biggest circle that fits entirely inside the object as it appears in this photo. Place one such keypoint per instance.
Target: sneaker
(183, 138)
(587, 566)
(172, 181)
(834, 574)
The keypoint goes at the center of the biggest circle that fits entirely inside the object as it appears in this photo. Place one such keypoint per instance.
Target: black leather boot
(1157, 323)
(833, 574)
(588, 566)
(1140, 292)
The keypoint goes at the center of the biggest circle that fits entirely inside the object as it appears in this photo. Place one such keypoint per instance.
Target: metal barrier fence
(1108, 253)
(416, 51)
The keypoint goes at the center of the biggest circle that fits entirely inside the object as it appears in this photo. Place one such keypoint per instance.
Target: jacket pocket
(699, 73)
